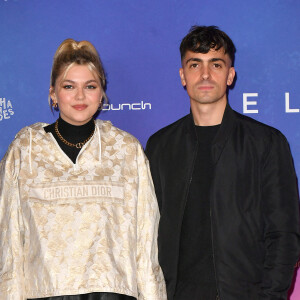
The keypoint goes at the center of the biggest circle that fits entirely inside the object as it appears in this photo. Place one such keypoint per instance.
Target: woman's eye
(91, 87)
(68, 86)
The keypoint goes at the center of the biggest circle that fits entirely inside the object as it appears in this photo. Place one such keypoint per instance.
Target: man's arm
(151, 152)
(281, 219)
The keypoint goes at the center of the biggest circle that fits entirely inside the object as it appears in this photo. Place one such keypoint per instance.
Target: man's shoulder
(170, 129)
(166, 135)
(256, 128)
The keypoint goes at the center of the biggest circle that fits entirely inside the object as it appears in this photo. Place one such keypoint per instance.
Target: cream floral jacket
(78, 228)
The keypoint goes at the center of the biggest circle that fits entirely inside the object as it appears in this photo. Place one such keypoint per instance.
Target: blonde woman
(78, 213)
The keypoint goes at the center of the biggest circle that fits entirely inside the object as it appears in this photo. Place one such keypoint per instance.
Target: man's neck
(208, 114)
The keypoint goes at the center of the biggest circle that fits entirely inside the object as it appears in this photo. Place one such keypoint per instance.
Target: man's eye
(193, 66)
(217, 66)
(68, 86)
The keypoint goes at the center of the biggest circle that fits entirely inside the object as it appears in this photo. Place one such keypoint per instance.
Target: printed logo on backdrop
(127, 106)
(6, 109)
(250, 103)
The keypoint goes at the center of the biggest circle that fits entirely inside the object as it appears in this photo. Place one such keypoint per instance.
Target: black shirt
(196, 276)
(73, 134)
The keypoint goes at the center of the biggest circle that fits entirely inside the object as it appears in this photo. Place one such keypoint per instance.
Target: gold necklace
(78, 145)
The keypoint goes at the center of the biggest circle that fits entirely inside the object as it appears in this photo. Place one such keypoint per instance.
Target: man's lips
(205, 87)
(79, 107)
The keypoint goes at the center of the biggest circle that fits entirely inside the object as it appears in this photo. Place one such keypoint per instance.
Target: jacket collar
(223, 134)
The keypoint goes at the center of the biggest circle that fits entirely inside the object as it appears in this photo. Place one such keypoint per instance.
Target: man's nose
(205, 72)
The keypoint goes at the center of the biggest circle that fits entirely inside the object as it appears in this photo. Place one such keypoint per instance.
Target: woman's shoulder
(109, 130)
(25, 135)
(36, 127)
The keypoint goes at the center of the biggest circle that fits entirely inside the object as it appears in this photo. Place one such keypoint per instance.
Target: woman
(78, 214)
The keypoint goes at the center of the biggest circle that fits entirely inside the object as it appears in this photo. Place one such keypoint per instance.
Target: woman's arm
(11, 231)
(151, 284)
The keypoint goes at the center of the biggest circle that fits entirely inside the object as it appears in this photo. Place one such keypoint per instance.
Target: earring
(54, 104)
(100, 105)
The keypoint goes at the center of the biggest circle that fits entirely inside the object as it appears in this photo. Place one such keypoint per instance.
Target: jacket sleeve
(281, 219)
(11, 245)
(151, 152)
(151, 284)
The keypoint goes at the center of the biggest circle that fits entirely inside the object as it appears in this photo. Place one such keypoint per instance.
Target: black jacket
(254, 204)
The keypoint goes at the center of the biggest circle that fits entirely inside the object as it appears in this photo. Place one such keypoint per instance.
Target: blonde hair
(71, 52)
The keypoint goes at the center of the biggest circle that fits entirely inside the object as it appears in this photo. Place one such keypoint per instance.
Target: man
(226, 188)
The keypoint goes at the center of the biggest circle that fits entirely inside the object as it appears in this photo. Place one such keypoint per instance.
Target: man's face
(206, 76)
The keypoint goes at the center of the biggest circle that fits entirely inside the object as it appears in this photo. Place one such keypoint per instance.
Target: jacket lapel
(227, 125)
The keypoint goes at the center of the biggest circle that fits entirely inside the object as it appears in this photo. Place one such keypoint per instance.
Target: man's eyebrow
(201, 60)
(194, 59)
(218, 59)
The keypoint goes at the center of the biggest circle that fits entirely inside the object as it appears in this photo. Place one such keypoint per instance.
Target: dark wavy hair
(201, 39)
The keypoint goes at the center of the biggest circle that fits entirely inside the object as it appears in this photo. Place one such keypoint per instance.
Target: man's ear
(182, 78)
(230, 76)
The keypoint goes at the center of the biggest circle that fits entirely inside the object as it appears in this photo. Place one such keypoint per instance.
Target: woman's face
(78, 94)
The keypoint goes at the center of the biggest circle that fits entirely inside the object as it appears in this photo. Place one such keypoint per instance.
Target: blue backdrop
(138, 42)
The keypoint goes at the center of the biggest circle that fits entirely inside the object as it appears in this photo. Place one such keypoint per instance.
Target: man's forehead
(212, 53)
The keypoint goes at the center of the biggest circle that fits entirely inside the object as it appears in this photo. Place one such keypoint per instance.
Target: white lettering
(133, 106)
(102, 191)
(115, 108)
(85, 191)
(5, 114)
(51, 193)
(287, 105)
(146, 104)
(108, 191)
(5, 109)
(79, 192)
(66, 194)
(8, 105)
(128, 106)
(57, 190)
(94, 191)
(246, 103)
(3, 102)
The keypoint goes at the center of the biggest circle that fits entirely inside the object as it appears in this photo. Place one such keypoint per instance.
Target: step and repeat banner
(138, 42)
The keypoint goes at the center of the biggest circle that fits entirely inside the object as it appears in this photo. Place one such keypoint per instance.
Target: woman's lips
(79, 107)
